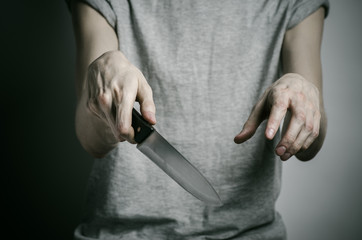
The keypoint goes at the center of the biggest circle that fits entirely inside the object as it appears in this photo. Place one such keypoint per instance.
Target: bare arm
(107, 85)
(301, 55)
(297, 96)
(93, 35)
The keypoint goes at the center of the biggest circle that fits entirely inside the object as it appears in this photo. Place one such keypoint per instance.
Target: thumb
(256, 117)
(247, 132)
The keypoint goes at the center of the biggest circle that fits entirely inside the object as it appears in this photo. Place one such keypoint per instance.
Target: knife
(165, 156)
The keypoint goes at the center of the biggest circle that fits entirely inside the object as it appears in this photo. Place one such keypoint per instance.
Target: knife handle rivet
(139, 129)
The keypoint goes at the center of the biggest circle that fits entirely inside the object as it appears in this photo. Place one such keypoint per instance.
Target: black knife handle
(142, 129)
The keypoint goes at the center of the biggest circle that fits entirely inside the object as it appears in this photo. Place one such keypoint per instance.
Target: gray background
(44, 169)
(322, 199)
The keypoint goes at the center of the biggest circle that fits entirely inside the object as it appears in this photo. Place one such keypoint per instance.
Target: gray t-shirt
(207, 63)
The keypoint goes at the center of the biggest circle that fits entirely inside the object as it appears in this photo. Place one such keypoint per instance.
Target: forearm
(301, 55)
(94, 36)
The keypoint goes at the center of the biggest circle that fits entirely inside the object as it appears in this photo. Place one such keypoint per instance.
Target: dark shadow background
(44, 170)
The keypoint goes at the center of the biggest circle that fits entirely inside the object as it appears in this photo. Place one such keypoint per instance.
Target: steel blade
(164, 155)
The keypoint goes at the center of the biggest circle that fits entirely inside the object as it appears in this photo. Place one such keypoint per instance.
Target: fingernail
(280, 150)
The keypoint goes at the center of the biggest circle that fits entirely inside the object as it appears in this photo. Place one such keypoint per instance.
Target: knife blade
(166, 157)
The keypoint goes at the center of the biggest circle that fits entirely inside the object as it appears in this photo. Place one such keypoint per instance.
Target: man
(207, 66)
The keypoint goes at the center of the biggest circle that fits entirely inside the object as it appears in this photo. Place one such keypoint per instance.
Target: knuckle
(309, 105)
(104, 99)
(288, 139)
(315, 134)
(309, 127)
(306, 145)
(301, 97)
(122, 130)
(280, 103)
(300, 116)
(295, 147)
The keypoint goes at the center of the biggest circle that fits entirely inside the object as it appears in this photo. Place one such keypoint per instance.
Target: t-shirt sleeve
(303, 8)
(104, 7)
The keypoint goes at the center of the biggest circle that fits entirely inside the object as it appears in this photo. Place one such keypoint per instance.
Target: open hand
(291, 93)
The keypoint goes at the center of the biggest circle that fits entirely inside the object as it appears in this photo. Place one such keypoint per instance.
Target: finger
(95, 89)
(124, 101)
(105, 103)
(123, 123)
(277, 113)
(315, 132)
(296, 123)
(95, 82)
(145, 99)
(256, 117)
(303, 135)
